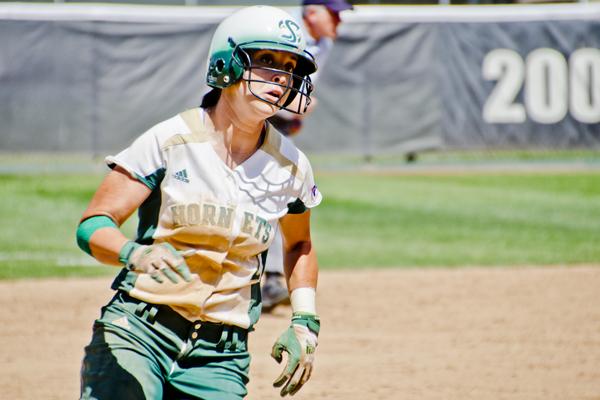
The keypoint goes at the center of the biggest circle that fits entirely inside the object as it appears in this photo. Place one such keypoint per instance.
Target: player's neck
(233, 138)
(241, 130)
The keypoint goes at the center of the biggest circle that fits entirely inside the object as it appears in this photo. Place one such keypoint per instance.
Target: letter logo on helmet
(294, 35)
(261, 28)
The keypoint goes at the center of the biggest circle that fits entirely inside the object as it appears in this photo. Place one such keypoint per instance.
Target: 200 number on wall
(552, 86)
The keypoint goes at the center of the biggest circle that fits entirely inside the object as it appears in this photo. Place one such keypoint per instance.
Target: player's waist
(166, 317)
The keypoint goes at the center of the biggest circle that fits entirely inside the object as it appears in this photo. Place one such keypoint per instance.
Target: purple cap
(333, 5)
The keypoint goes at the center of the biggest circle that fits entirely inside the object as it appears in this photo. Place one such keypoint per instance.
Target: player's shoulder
(185, 127)
(285, 152)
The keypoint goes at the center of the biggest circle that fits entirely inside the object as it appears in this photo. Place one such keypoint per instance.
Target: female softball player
(210, 185)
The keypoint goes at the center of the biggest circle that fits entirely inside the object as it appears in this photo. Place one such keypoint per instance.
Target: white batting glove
(157, 260)
(300, 342)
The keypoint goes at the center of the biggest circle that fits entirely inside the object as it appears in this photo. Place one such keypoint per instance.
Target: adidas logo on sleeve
(182, 176)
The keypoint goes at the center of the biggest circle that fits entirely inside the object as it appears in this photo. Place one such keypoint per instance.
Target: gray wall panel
(379, 91)
(46, 96)
(147, 73)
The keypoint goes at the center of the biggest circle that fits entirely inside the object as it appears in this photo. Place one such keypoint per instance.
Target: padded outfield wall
(92, 77)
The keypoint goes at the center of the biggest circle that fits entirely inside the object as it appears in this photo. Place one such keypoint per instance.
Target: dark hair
(211, 98)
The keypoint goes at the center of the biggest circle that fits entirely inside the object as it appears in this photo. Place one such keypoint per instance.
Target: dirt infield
(527, 333)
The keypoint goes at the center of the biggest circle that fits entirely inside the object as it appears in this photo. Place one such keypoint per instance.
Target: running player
(320, 19)
(209, 185)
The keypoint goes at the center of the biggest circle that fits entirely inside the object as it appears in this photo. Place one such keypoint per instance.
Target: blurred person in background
(210, 185)
(320, 19)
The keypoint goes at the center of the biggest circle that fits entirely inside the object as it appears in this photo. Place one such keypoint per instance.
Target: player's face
(324, 22)
(270, 77)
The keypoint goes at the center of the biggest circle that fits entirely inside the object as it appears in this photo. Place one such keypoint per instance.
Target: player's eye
(289, 67)
(266, 59)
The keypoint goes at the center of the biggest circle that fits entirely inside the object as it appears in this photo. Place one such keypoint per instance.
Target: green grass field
(483, 219)
(365, 220)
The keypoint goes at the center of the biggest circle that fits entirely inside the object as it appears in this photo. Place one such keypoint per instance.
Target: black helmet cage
(297, 84)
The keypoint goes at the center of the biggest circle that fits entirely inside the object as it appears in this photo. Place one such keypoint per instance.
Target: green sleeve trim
(88, 227)
(152, 181)
(145, 181)
(296, 207)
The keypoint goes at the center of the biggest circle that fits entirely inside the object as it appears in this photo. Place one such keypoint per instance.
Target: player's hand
(159, 260)
(300, 342)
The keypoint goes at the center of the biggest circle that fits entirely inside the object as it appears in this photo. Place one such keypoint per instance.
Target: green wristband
(126, 251)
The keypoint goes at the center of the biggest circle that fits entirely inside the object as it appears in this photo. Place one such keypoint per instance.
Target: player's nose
(280, 78)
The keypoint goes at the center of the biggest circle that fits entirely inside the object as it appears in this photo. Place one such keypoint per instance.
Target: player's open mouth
(274, 95)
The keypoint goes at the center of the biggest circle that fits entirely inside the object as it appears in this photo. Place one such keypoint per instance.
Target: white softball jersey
(222, 218)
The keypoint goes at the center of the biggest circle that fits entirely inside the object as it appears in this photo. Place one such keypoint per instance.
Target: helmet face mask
(261, 28)
(297, 87)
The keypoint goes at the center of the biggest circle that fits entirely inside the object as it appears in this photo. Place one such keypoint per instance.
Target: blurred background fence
(400, 80)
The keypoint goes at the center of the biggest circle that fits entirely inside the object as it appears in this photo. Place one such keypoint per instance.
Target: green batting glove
(300, 342)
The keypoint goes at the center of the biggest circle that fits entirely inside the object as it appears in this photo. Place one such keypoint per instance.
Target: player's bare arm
(300, 339)
(300, 262)
(117, 197)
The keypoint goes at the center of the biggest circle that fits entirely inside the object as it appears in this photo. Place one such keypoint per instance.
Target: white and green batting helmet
(259, 28)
